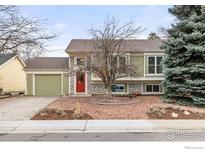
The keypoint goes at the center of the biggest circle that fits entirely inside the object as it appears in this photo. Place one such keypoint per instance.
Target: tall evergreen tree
(185, 60)
(153, 36)
(185, 11)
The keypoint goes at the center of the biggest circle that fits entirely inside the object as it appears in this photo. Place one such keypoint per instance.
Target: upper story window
(120, 61)
(80, 61)
(155, 65)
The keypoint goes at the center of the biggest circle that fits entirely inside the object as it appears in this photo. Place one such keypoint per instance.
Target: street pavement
(126, 136)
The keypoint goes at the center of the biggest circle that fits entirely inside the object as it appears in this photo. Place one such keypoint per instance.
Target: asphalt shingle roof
(5, 57)
(80, 45)
(48, 63)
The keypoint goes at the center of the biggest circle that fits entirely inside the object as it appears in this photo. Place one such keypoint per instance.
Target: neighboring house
(49, 76)
(12, 74)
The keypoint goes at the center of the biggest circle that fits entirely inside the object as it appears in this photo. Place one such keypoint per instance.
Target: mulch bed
(118, 108)
(53, 114)
(173, 114)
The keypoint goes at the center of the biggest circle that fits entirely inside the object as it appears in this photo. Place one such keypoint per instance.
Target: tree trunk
(108, 91)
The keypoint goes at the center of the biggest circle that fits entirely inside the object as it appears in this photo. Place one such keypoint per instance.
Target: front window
(118, 88)
(155, 65)
(153, 88)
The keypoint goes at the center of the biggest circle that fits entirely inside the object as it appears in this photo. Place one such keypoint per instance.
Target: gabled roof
(48, 63)
(5, 57)
(80, 45)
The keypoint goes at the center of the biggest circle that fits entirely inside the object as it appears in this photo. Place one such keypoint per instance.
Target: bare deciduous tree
(163, 31)
(30, 52)
(19, 33)
(108, 60)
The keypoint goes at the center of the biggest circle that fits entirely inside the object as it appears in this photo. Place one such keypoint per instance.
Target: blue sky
(75, 21)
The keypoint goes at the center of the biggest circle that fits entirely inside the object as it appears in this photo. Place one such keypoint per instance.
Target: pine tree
(153, 36)
(185, 11)
(185, 56)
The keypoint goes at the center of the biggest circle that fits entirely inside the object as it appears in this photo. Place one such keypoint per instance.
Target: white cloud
(56, 51)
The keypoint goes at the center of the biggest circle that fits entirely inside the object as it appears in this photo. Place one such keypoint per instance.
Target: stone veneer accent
(96, 88)
(71, 58)
(135, 87)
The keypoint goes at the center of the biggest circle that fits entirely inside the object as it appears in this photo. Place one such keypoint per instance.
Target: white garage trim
(69, 86)
(40, 73)
(34, 88)
(50, 72)
(62, 84)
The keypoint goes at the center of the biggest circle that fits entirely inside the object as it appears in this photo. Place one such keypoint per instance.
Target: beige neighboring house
(12, 74)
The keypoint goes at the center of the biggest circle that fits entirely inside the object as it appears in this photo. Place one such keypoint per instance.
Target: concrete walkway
(83, 126)
(22, 108)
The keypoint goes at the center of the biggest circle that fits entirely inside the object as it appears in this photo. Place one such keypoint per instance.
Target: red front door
(80, 82)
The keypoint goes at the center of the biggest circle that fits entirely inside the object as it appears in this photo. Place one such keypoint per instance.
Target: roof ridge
(4, 57)
(48, 63)
(51, 57)
(81, 45)
(134, 39)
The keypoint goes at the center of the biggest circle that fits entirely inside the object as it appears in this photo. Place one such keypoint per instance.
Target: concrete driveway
(22, 108)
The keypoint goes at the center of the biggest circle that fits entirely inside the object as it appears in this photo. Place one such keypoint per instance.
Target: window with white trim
(120, 61)
(118, 88)
(155, 65)
(80, 61)
(152, 88)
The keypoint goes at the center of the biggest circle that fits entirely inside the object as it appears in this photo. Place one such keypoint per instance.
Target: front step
(79, 95)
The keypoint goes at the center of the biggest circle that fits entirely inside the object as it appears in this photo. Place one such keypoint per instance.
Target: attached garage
(48, 85)
(48, 81)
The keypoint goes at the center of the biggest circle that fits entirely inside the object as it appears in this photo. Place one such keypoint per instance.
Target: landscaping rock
(186, 112)
(43, 114)
(63, 113)
(175, 115)
(157, 111)
(58, 111)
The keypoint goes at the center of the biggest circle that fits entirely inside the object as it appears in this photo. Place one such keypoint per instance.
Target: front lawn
(142, 107)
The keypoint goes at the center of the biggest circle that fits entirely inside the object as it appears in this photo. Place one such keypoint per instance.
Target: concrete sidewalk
(83, 126)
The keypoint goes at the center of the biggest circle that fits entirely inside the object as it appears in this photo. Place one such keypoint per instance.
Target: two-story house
(50, 76)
